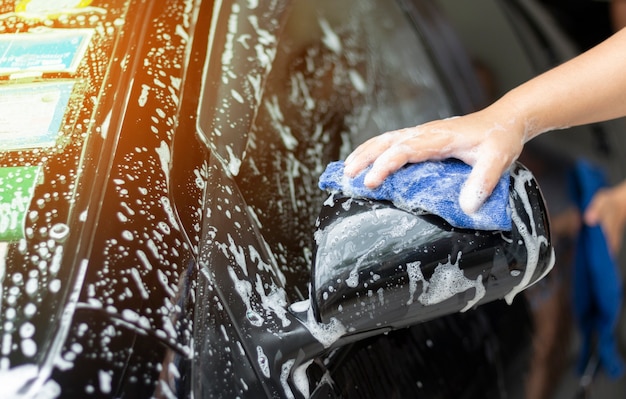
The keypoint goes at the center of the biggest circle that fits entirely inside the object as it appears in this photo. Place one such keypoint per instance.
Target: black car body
(160, 233)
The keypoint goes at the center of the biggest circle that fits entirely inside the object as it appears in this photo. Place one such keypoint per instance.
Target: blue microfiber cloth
(597, 291)
(432, 186)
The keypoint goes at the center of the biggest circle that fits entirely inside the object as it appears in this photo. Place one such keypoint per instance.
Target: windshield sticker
(48, 6)
(4, 252)
(44, 51)
(17, 186)
(31, 114)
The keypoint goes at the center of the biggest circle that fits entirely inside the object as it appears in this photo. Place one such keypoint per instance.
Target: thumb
(479, 185)
(591, 215)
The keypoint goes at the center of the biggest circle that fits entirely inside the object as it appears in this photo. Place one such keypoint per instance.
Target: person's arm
(586, 89)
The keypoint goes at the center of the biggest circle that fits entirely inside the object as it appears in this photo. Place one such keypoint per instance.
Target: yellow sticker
(49, 6)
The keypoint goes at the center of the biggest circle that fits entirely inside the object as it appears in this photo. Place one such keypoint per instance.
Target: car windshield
(54, 60)
(285, 82)
(375, 52)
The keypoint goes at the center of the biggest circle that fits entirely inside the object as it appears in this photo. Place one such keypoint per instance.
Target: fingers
(392, 150)
(477, 140)
(388, 162)
(614, 240)
(612, 233)
(365, 154)
(592, 213)
(480, 184)
(602, 210)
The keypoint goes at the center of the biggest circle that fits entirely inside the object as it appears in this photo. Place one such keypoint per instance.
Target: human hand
(489, 140)
(608, 209)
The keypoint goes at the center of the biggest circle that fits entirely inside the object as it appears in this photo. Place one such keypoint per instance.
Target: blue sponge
(432, 186)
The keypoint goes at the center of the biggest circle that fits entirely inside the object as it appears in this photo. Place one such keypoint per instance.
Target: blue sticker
(46, 51)
(31, 114)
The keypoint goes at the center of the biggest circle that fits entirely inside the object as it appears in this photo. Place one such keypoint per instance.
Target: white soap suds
(284, 378)
(447, 281)
(326, 334)
(263, 362)
(532, 240)
(330, 39)
(300, 379)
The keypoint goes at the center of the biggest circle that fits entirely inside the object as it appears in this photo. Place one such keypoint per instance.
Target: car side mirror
(377, 267)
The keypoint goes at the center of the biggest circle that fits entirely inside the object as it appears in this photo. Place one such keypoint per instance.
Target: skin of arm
(588, 88)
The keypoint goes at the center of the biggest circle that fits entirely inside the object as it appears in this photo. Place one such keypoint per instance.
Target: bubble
(29, 347)
(54, 286)
(263, 362)
(59, 232)
(27, 330)
(30, 309)
(17, 278)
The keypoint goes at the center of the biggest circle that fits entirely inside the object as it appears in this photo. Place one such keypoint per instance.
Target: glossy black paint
(113, 326)
(374, 264)
(181, 278)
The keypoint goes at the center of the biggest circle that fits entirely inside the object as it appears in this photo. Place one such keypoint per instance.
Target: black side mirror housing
(377, 267)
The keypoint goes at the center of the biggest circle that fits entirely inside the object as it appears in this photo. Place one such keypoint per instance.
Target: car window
(343, 72)
(241, 46)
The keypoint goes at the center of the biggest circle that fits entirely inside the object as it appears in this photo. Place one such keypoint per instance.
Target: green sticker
(17, 185)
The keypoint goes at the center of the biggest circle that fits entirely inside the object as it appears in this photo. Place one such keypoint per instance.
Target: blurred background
(511, 41)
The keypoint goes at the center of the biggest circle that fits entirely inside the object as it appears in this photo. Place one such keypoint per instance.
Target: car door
(293, 86)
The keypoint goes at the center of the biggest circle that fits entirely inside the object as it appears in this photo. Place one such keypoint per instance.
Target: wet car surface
(157, 232)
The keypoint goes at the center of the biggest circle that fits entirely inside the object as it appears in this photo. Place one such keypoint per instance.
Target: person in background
(618, 14)
(586, 89)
